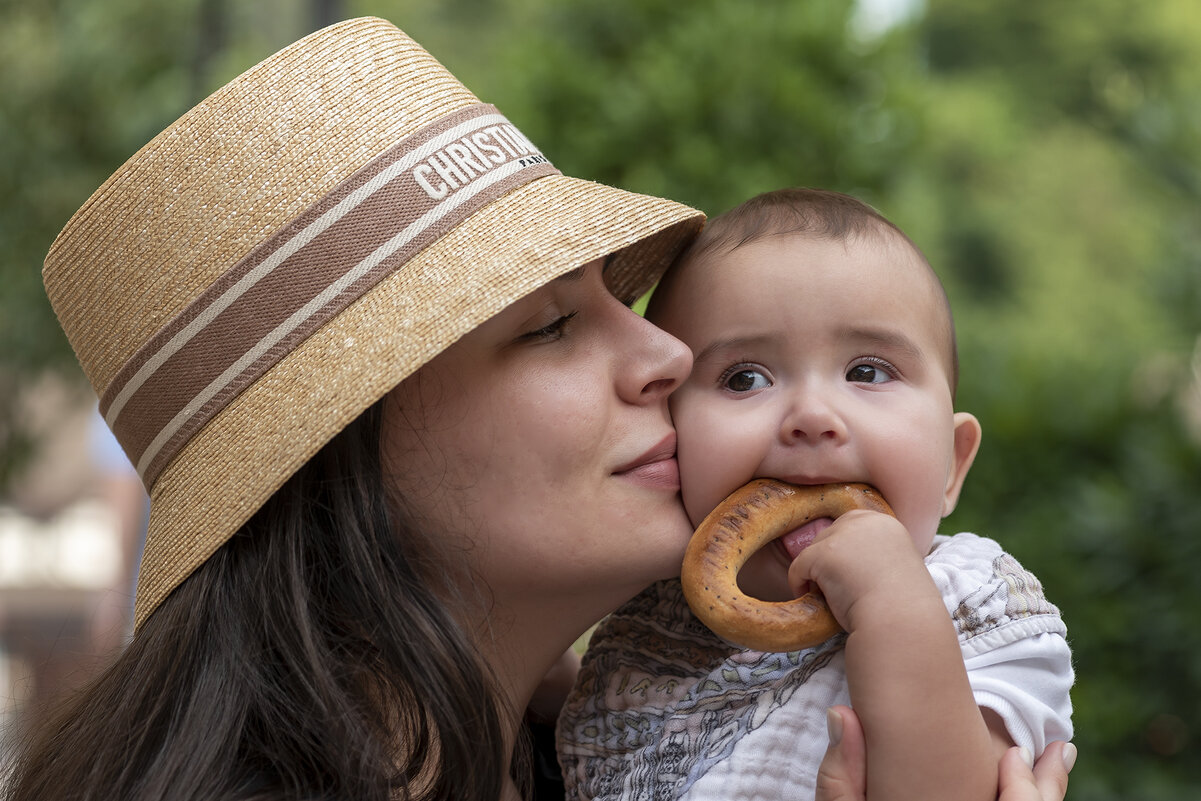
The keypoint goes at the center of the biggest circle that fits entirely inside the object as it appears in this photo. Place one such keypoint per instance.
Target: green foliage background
(1047, 156)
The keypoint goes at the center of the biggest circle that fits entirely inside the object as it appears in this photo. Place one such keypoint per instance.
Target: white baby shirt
(664, 709)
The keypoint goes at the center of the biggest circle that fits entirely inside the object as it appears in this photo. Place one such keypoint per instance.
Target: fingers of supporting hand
(1052, 769)
(1048, 781)
(842, 775)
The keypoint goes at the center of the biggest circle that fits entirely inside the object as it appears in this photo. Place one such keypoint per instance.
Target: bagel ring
(749, 518)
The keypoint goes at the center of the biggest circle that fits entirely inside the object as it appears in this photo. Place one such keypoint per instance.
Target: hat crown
(229, 173)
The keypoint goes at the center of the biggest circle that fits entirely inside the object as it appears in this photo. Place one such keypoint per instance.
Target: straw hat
(293, 247)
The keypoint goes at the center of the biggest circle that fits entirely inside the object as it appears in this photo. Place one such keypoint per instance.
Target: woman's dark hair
(312, 656)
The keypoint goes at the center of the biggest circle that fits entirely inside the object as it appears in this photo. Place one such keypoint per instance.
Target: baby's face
(817, 361)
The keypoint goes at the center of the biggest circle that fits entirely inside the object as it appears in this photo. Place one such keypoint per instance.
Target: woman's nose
(812, 417)
(655, 364)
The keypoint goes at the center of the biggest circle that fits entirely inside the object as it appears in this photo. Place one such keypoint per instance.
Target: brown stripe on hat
(283, 290)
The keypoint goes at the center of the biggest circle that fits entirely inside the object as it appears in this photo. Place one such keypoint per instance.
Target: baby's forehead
(695, 271)
(892, 250)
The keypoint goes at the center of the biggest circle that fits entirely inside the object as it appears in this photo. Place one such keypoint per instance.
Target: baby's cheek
(705, 460)
(694, 492)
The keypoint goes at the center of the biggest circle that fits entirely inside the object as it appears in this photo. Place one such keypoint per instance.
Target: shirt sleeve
(1013, 639)
(1028, 683)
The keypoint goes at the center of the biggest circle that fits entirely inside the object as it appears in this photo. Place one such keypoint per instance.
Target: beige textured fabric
(240, 166)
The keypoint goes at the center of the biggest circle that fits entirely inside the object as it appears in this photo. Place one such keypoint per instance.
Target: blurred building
(70, 535)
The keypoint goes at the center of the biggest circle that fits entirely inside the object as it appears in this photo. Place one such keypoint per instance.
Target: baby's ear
(967, 442)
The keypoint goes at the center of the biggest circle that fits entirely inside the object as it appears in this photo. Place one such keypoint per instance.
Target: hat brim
(517, 244)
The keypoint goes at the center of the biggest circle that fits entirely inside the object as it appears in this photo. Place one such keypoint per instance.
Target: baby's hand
(867, 568)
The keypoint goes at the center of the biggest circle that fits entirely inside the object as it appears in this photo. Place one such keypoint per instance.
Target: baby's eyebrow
(886, 338)
(732, 343)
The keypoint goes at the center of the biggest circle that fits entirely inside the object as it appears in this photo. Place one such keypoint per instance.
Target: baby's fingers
(853, 555)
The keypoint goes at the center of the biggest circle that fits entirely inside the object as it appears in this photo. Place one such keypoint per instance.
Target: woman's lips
(657, 468)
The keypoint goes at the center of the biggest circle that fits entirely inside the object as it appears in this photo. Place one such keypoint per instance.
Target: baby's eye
(871, 372)
(744, 379)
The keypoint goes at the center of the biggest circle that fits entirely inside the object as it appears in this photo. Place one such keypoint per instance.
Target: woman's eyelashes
(550, 332)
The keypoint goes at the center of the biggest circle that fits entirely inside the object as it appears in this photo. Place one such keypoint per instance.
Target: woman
(351, 588)
(403, 438)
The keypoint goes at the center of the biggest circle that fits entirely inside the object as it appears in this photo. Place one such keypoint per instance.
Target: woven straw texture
(238, 167)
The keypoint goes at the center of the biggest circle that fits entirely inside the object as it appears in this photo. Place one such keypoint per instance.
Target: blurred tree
(708, 102)
(1058, 190)
(85, 84)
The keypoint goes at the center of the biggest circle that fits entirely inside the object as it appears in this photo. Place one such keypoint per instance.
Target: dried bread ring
(748, 519)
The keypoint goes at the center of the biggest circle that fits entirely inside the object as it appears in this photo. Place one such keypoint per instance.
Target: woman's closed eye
(550, 332)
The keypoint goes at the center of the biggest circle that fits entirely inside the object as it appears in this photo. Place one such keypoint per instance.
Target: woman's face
(541, 443)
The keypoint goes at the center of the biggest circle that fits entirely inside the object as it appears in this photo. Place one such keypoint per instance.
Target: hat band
(307, 272)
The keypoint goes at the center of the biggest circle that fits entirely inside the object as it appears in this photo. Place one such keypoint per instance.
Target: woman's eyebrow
(574, 275)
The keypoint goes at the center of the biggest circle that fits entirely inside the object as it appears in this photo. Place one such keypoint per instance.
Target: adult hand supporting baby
(843, 772)
(842, 775)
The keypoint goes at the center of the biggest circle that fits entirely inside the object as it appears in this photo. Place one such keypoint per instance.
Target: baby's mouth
(799, 539)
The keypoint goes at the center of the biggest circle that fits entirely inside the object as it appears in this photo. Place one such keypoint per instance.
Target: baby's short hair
(818, 213)
(812, 212)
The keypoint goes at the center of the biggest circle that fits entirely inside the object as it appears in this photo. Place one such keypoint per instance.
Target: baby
(825, 352)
